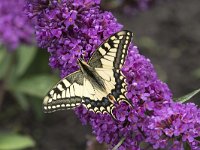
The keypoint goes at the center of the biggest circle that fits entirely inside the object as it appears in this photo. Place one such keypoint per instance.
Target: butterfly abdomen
(92, 76)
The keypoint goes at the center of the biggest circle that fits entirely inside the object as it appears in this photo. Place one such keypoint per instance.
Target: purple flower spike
(15, 27)
(70, 29)
(175, 120)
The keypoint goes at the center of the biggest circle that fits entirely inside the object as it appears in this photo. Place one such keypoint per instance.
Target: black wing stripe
(116, 46)
(120, 86)
(122, 52)
(65, 95)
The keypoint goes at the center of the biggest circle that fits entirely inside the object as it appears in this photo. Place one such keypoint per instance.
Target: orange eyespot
(70, 19)
(111, 98)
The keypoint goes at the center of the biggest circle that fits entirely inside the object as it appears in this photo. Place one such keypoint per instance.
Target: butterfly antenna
(82, 55)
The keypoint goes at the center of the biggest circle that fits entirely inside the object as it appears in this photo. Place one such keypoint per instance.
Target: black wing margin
(112, 53)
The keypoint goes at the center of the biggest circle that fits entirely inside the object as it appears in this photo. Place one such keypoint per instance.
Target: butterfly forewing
(112, 53)
(66, 94)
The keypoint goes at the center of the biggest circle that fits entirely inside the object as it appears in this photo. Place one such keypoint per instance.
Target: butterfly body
(91, 75)
(99, 84)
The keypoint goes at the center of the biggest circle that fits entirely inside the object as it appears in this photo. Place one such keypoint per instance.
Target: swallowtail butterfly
(98, 84)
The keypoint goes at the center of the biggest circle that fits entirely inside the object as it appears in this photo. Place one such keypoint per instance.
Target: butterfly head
(81, 62)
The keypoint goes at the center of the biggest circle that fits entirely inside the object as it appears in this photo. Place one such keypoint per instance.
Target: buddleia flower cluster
(72, 28)
(15, 27)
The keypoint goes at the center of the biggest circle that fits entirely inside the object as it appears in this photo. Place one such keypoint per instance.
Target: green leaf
(37, 85)
(186, 146)
(2, 53)
(13, 141)
(22, 100)
(25, 56)
(36, 107)
(187, 97)
(5, 61)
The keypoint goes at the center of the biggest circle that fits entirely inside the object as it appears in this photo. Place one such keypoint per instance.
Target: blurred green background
(168, 33)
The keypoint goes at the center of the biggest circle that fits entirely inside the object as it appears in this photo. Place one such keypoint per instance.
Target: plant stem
(140, 130)
(5, 78)
(119, 144)
(2, 92)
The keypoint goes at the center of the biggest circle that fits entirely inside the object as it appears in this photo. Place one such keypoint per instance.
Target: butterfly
(98, 84)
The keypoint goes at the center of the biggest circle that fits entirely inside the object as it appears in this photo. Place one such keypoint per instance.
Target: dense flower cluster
(71, 28)
(14, 24)
(180, 122)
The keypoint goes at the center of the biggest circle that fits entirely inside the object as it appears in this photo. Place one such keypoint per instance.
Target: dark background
(168, 33)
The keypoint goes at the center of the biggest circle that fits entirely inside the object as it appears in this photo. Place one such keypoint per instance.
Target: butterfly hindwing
(98, 106)
(66, 94)
(117, 84)
(94, 99)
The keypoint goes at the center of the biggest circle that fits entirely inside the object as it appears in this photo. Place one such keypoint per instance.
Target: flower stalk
(119, 144)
